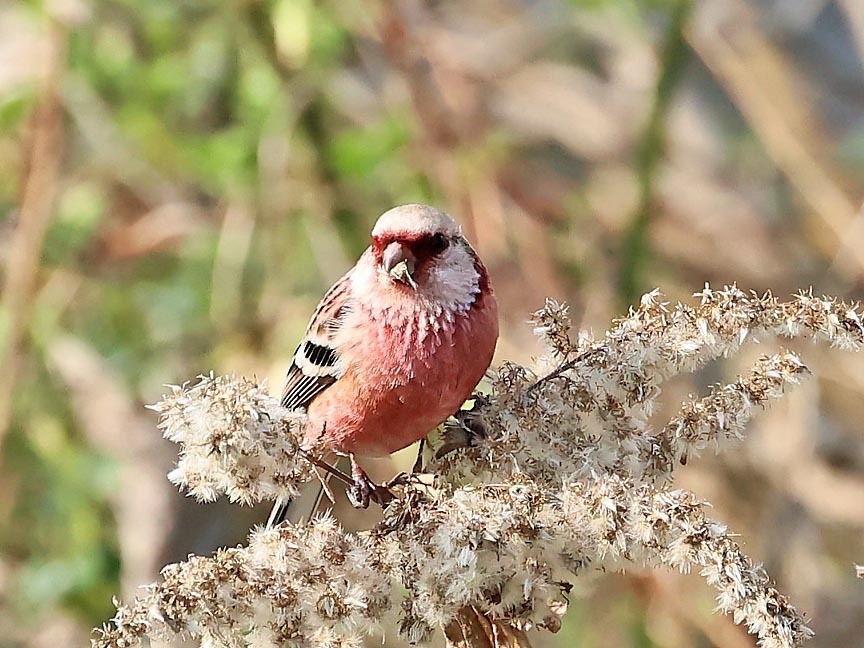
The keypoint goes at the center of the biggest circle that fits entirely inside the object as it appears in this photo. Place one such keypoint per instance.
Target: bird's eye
(438, 243)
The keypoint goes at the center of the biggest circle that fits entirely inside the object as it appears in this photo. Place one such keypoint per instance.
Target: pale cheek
(453, 281)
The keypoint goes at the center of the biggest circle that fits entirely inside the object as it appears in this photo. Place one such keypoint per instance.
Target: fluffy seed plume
(560, 475)
(508, 550)
(234, 440)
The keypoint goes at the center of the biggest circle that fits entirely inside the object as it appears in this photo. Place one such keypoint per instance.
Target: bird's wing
(316, 364)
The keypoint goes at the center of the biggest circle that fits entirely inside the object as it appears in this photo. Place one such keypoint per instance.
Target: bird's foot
(364, 490)
(467, 429)
(360, 494)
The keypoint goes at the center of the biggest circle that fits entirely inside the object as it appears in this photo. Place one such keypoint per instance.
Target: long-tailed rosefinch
(397, 344)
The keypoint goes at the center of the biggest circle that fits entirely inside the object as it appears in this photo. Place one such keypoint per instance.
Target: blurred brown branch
(44, 154)
(758, 79)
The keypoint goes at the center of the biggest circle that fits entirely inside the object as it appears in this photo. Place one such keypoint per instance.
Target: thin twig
(564, 368)
(332, 470)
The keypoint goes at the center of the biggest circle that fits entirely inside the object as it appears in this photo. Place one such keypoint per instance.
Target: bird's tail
(279, 512)
(302, 507)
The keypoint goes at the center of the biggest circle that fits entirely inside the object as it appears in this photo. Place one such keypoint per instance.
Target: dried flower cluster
(234, 440)
(591, 413)
(563, 474)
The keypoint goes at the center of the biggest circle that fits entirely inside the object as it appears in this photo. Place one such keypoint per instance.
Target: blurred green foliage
(222, 168)
(169, 101)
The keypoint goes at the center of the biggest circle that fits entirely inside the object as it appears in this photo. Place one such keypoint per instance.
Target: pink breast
(396, 390)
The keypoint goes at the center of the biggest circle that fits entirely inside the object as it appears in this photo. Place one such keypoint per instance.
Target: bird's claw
(467, 429)
(364, 490)
(359, 494)
(472, 419)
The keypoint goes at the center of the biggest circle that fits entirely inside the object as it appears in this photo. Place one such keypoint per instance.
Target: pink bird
(397, 344)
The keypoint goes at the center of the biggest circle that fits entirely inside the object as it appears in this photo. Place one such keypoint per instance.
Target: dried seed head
(568, 474)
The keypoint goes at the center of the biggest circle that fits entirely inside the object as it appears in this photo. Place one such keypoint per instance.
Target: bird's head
(422, 248)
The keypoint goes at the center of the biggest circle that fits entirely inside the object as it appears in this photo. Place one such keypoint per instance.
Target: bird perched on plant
(396, 345)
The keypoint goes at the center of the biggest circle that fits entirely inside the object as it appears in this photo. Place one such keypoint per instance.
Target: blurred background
(180, 181)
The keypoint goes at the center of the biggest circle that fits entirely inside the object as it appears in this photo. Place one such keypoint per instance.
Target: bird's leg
(364, 489)
(360, 491)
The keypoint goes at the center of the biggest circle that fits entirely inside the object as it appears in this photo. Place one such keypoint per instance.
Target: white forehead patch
(415, 220)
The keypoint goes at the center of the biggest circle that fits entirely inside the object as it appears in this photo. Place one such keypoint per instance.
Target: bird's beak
(398, 262)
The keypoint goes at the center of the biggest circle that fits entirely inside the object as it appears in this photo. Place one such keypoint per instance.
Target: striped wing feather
(316, 364)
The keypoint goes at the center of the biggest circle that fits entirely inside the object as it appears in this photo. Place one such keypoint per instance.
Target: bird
(396, 345)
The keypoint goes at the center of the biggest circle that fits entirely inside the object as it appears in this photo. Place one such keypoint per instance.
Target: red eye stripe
(429, 246)
(422, 246)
